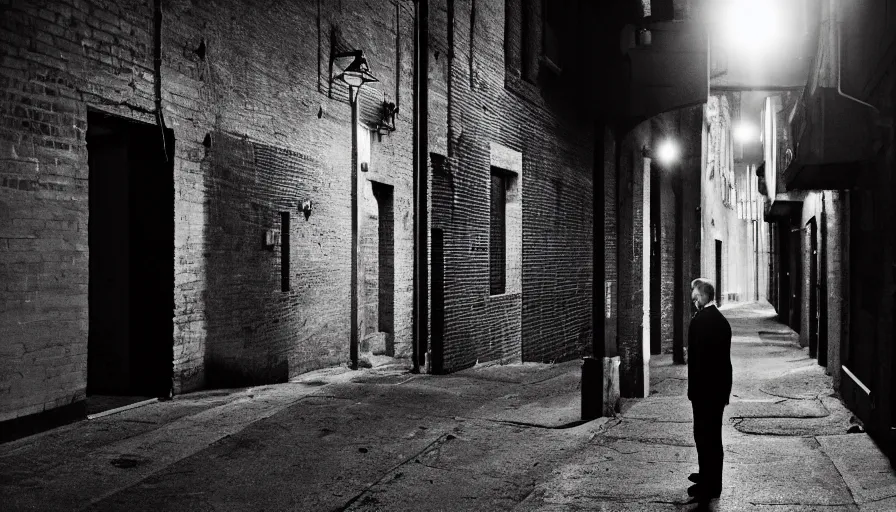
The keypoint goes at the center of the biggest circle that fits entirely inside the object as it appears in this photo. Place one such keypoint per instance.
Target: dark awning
(670, 72)
(782, 210)
(833, 135)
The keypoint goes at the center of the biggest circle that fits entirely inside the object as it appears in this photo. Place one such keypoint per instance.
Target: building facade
(832, 216)
(734, 247)
(177, 210)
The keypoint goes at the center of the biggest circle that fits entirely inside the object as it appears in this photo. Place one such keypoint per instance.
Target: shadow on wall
(251, 306)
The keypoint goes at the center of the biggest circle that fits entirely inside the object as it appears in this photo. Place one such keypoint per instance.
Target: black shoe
(694, 477)
(703, 492)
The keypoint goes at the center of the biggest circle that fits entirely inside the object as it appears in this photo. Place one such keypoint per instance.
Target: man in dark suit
(709, 386)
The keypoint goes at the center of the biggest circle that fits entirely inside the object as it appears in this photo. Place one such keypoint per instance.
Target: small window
(498, 234)
(552, 26)
(513, 25)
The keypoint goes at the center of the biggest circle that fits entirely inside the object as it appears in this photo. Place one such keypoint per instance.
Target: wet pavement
(489, 438)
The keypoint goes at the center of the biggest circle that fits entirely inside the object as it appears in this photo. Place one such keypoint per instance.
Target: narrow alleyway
(490, 438)
(785, 437)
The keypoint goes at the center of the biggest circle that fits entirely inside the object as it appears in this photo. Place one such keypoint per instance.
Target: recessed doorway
(377, 272)
(131, 243)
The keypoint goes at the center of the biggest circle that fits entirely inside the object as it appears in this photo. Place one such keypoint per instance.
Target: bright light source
(667, 152)
(745, 133)
(752, 26)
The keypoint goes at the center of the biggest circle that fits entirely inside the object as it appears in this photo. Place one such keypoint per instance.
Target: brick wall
(610, 244)
(277, 138)
(56, 58)
(258, 131)
(551, 318)
(668, 220)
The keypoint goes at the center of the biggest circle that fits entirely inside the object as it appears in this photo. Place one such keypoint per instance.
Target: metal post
(421, 177)
(353, 348)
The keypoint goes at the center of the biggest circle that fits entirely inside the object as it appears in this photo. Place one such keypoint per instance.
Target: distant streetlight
(667, 152)
(746, 133)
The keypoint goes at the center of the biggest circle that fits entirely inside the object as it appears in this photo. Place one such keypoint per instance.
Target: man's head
(702, 292)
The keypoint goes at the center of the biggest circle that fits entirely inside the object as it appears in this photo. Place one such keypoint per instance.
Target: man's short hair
(705, 287)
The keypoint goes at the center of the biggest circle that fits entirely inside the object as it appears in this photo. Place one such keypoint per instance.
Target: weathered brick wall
(611, 245)
(57, 59)
(631, 211)
(554, 308)
(668, 220)
(281, 99)
(225, 70)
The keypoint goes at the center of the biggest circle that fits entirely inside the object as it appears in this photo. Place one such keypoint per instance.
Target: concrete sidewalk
(785, 438)
(489, 438)
(328, 441)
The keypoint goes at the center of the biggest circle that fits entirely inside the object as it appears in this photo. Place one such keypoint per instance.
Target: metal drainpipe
(354, 341)
(157, 71)
(421, 159)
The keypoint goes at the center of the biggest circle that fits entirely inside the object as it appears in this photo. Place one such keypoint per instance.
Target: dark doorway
(782, 234)
(438, 301)
(497, 254)
(377, 272)
(812, 248)
(796, 288)
(131, 243)
(860, 358)
(772, 266)
(386, 263)
(719, 272)
(822, 293)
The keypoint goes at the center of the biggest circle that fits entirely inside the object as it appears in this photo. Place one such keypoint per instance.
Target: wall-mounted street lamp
(666, 153)
(355, 75)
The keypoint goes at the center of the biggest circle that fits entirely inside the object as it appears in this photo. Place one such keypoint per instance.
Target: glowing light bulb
(667, 152)
(745, 132)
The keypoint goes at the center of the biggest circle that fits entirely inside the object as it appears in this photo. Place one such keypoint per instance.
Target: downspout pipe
(157, 71)
(421, 179)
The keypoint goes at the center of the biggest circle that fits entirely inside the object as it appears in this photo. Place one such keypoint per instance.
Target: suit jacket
(709, 357)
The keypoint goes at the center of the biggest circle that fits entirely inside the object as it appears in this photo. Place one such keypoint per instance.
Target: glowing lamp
(745, 133)
(667, 152)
